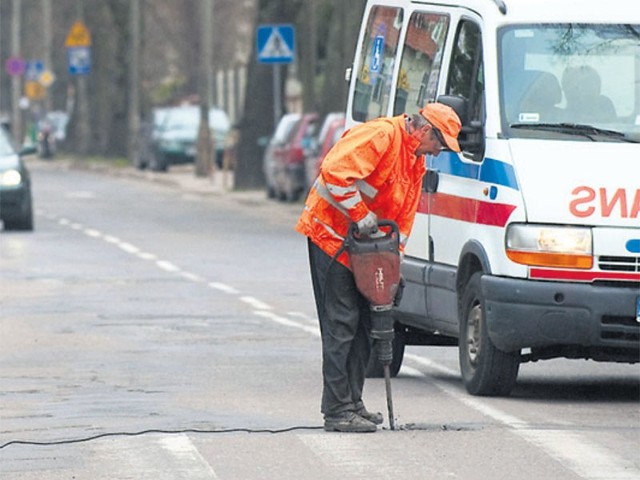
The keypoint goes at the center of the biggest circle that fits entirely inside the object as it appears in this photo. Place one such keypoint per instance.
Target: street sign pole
(277, 97)
(276, 46)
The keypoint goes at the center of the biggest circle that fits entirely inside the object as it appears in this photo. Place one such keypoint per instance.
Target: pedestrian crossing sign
(275, 43)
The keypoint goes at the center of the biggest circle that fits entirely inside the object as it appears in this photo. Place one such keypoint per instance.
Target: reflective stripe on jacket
(372, 167)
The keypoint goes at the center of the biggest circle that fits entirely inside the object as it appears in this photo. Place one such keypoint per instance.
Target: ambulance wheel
(485, 369)
(375, 369)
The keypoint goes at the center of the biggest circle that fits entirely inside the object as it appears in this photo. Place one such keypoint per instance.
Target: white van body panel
(526, 166)
(594, 183)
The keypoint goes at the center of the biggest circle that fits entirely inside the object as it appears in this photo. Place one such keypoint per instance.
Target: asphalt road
(161, 304)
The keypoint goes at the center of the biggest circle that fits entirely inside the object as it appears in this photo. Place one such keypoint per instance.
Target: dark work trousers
(345, 323)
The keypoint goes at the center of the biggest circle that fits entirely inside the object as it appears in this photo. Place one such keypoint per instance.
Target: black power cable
(153, 430)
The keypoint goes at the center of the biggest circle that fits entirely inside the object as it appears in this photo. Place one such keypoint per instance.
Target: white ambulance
(526, 245)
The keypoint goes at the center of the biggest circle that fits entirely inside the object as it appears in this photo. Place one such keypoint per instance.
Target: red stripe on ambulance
(466, 209)
(581, 276)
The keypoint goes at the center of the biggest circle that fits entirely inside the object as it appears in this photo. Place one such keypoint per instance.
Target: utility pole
(48, 38)
(204, 156)
(134, 82)
(83, 137)
(16, 84)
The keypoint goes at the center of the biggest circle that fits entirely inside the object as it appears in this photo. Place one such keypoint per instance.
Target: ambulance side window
(375, 65)
(466, 79)
(420, 65)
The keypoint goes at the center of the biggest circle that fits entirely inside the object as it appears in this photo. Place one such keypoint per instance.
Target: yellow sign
(78, 36)
(34, 90)
(46, 78)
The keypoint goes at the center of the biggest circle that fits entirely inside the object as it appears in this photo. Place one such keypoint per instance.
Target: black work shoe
(350, 422)
(373, 417)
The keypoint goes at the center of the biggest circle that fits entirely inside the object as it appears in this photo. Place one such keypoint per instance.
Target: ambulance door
(451, 177)
(417, 84)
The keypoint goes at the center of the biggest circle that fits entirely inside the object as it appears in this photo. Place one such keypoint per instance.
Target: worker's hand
(368, 225)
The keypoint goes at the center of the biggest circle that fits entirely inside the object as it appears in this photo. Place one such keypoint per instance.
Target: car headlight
(550, 246)
(10, 178)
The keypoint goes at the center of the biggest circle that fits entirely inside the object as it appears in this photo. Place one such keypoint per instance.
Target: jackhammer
(375, 262)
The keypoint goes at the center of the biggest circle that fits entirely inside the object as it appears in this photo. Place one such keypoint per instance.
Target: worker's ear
(419, 133)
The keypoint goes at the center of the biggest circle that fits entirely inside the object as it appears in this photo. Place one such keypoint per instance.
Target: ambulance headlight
(550, 246)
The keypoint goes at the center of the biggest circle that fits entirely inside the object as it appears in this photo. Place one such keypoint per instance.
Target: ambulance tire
(486, 371)
(375, 369)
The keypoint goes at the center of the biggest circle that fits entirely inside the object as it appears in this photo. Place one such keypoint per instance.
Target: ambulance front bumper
(532, 314)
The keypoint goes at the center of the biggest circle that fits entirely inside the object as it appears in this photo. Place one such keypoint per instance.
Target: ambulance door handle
(430, 181)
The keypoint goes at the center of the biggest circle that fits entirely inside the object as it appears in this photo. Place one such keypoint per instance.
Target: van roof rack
(501, 6)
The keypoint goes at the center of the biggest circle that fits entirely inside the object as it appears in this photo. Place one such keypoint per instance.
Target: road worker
(374, 171)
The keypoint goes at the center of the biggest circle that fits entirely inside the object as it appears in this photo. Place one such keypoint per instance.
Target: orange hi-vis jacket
(372, 167)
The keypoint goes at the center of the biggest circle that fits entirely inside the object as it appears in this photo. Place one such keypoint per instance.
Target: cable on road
(153, 430)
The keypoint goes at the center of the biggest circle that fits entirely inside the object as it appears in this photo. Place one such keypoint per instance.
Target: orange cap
(446, 120)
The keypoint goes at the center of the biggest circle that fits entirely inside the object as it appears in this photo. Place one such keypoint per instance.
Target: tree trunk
(257, 124)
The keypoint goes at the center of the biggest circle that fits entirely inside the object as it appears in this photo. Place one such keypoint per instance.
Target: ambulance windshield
(570, 81)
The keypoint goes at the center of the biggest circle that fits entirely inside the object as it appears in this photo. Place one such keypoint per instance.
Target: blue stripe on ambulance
(489, 171)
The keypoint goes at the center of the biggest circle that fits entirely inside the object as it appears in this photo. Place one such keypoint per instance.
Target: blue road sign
(376, 54)
(79, 60)
(276, 43)
(33, 70)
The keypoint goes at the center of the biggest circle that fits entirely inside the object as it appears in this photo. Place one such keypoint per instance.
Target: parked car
(289, 168)
(16, 205)
(331, 131)
(275, 144)
(174, 135)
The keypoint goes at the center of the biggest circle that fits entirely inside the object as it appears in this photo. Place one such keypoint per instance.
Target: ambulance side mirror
(471, 138)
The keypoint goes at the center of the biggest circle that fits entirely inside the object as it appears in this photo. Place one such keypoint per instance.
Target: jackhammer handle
(382, 222)
(389, 223)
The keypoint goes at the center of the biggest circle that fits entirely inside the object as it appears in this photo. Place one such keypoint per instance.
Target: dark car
(289, 169)
(274, 146)
(173, 136)
(16, 206)
(331, 131)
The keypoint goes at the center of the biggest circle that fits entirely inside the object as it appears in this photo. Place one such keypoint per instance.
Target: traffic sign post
(276, 46)
(47, 78)
(15, 66)
(78, 45)
(79, 59)
(78, 35)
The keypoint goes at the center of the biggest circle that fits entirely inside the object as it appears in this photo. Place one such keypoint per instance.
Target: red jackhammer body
(375, 262)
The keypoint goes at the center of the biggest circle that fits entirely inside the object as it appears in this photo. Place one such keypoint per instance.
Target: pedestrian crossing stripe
(275, 44)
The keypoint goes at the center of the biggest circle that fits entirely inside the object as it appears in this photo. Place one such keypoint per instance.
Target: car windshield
(570, 81)
(284, 128)
(188, 118)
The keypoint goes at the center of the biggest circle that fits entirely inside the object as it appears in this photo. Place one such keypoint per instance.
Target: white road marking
(303, 316)
(315, 331)
(255, 303)
(184, 452)
(584, 458)
(167, 266)
(146, 256)
(111, 239)
(224, 288)
(84, 194)
(92, 232)
(192, 277)
(127, 247)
